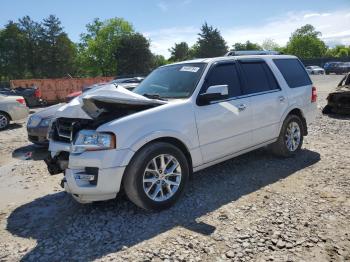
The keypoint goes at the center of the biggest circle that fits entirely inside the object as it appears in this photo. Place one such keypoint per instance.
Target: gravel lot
(252, 208)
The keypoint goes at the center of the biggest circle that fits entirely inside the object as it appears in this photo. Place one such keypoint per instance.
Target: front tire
(4, 121)
(157, 176)
(291, 137)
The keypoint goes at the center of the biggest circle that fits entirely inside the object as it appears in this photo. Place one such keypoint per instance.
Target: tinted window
(258, 77)
(225, 74)
(293, 72)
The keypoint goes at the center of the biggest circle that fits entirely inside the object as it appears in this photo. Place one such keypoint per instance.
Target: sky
(166, 22)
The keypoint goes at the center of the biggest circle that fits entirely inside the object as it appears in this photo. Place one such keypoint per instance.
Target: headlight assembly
(33, 121)
(45, 122)
(90, 140)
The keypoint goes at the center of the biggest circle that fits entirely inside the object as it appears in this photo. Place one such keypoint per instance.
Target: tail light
(37, 93)
(21, 101)
(313, 95)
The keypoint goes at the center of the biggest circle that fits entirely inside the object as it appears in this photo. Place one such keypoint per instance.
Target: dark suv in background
(337, 67)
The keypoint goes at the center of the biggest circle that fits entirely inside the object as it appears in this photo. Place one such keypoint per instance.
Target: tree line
(30, 49)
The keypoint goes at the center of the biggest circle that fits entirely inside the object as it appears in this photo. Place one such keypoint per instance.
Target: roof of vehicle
(228, 58)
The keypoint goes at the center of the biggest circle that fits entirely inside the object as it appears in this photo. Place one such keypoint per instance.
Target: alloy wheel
(293, 136)
(162, 177)
(3, 121)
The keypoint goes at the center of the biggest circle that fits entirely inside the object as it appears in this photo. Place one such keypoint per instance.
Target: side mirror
(213, 93)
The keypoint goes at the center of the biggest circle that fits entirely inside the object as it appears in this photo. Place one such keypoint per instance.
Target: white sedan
(12, 108)
(315, 70)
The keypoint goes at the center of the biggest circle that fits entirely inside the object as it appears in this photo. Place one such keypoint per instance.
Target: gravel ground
(255, 207)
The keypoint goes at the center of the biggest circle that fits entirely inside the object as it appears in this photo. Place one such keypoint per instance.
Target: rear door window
(293, 72)
(225, 74)
(257, 77)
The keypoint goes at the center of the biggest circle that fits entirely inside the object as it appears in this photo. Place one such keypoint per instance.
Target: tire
(327, 110)
(156, 190)
(280, 147)
(4, 121)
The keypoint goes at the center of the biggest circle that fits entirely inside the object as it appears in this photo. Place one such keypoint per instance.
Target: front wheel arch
(171, 140)
(131, 178)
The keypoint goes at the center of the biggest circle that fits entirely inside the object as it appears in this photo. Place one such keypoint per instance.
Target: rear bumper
(19, 112)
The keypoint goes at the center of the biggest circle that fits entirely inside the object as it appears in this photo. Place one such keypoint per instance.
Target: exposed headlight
(34, 121)
(45, 122)
(90, 140)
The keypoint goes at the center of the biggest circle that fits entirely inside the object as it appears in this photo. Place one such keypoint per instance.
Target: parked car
(12, 108)
(129, 83)
(182, 118)
(329, 67)
(38, 124)
(337, 67)
(315, 70)
(343, 68)
(32, 95)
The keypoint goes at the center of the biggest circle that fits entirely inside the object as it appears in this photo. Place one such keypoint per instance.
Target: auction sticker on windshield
(192, 69)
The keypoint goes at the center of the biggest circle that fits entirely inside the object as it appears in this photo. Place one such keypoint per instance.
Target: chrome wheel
(162, 177)
(293, 136)
(3, 121)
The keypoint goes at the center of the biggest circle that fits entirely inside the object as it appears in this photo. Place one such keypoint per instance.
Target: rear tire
(4, 121)
(156, 176)
(291, 137)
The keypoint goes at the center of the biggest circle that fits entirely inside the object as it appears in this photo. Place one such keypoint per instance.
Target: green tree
(179, 52)
(133, 55)
(338, 51)
(343, 52)
(305, 42)
(158, 60)
(12, 58)
(210, 43)
(270, 44)
(246, 46)
(32, 51)
(98, 46)
(58, 51)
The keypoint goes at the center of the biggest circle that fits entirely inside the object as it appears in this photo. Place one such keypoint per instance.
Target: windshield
(174, 81)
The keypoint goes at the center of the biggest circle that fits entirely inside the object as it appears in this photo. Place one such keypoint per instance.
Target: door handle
(242, 107)
(281, 98)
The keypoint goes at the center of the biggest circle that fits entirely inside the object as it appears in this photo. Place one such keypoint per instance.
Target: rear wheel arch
(5, 113)
(299, 113)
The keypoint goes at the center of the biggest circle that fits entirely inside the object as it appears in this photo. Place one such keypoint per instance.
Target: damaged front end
(88, 112)
(338, 102)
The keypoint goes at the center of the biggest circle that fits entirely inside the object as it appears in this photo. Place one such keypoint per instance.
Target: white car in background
(315, 70)
(182, 118)
(12, 108)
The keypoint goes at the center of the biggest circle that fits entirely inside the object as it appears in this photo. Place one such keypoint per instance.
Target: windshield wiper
(154, 96)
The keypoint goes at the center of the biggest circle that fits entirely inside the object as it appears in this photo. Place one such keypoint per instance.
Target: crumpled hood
(48, 112)
(94, 102)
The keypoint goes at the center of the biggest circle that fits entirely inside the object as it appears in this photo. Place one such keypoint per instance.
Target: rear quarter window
(293, 72)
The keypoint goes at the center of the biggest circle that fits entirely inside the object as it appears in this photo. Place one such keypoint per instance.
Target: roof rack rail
(252, 52)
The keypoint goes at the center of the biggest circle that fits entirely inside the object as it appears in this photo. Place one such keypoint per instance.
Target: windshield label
(192, 69)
